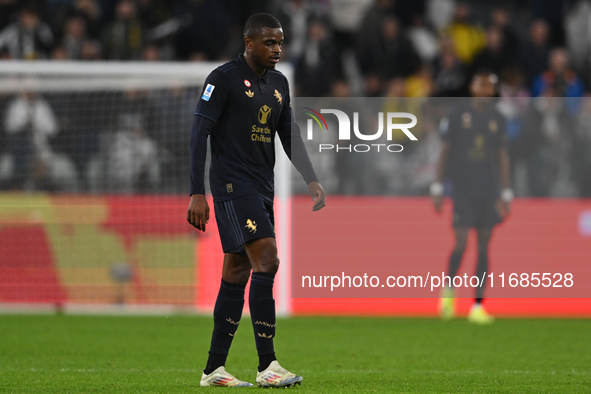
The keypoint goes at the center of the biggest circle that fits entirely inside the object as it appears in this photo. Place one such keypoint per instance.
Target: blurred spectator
(420, 84)
(56, 12)
(30, 123)
(28, 38)
(560, 79)
(92, 13)
(132, 152)
(424, 40)
(153, 12)
(74, 37)
(208, 32)
(130, 158)
(514, 100)
(151, 53)
(340, 88)
(373, 85)
(91, 50)
(319, 65)
(582, 149)
(467, 38)
(551, 11)
(546, 138)
(346, 18)
(137, 109)
(450, 75)
(578, 37)
(397, 101)
(294, 16)
(494, 57)
(440, 13)
(513, 105)
(59, 53)
(407, 11)
(7, 9)
(535, 52)
(501, 19)
(371, 27)
(392, 54)
(123, 39)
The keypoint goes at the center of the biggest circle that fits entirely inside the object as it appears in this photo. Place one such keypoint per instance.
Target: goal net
(94, 177)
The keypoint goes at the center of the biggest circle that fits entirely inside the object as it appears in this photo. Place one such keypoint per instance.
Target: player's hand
(438, 203)
(318, 195)
(198, 212)
(504, 208)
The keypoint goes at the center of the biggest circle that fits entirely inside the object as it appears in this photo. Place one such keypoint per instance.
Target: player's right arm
(436, 189)
(198, 212)
(504, 170)
(208, 112)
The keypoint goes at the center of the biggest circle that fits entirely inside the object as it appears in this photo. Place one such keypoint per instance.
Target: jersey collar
(248, 71)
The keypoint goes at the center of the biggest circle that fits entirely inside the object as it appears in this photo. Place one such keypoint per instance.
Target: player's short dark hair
(257, 22)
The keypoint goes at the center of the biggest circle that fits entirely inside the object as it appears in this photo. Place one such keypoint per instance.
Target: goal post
(107, 144)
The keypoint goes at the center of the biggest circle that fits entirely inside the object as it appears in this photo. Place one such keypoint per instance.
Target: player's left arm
(447, 131)
(293, 145)
(504, 173)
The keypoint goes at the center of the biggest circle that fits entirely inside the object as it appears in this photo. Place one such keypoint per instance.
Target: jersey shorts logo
(247, 83)
(207, 93)
(249, 93)
(251, 226)
(278, 96)
(264, 113)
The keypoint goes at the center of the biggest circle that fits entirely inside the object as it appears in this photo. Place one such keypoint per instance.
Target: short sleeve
(213, 97)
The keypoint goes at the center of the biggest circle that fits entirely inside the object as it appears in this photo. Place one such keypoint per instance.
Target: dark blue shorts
(244, 219)
(475, 211)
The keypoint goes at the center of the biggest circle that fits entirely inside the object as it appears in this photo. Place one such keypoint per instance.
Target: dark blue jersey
(247, 111)
(475, 138)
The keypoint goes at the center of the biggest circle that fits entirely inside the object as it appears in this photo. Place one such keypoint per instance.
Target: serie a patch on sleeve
(207, 93)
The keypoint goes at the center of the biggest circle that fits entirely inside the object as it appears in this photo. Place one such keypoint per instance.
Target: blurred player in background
(474, 158)
(244, 103)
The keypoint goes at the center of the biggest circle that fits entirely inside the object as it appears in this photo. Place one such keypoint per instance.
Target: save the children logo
(344, 130)
(264, 113)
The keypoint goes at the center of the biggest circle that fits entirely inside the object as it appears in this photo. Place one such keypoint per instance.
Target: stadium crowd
(540, 50)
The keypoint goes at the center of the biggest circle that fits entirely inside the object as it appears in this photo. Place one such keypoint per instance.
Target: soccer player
(474, 156)
(243, 104)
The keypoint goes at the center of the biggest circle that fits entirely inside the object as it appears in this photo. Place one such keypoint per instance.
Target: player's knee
(268, 264)
(263, 256)
(237, 272)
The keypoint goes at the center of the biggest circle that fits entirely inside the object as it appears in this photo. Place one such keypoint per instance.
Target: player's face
(266, 47)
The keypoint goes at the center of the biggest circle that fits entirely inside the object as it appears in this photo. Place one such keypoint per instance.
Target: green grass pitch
(108, 354)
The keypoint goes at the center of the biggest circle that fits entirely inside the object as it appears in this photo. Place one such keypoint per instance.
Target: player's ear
(248, 43)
